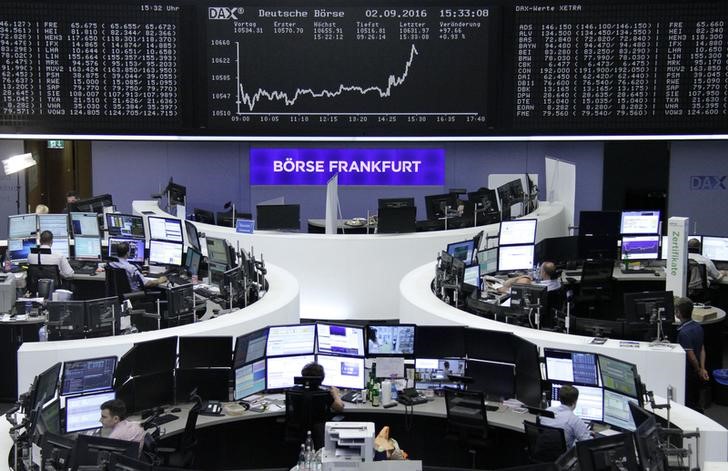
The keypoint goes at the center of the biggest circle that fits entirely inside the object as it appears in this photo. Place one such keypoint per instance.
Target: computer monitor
(128, 226)
(619, 376)
(289, 340)
(176, 193)
(432, 373)
(397, 220)
(249, 379)
(83, 412)
(154, 356)
(95, 204)
(571, 367)
(463, 250)
(490, 345)
(517, 232)
(340, 339)
(66, 320)
(471, 277)
(616, 410)
(102, 316)
(204, 216)
(218, 251)
(640, 222)
(438, 206)
(559, 250)
(648, 306)
(496, 380)
(50, 416)
(515, 257)
(488, 261)
(22, 226)
(511, 192)
(597, 327)
(19, 249)
(209, 383)
(205, 352)
(193, 257)
(55, 446)
(90, 450)
(278, 217)
(136, 249)
(87, 248)
(715, 248)
(60, 247)
(193, 238)
(529, 297)
(395, 203)
(85, 376)
(46, 385)
(607, 453)
(390, 340)
(599, 223)
(486, 199)
(280, 371)
(56, 223)
(645, 247)
(165, 253)
(85, 224)
(342, 372)
(147, 391)
(651, 455)
(440, 341)
(180, 301)
(250, 347)
(597, 272)
(167, 229)
(590, 404)
(598, 247)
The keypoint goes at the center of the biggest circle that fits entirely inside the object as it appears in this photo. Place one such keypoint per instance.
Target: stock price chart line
(349, 70)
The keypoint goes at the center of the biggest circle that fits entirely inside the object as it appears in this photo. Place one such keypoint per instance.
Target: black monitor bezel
(65, 366)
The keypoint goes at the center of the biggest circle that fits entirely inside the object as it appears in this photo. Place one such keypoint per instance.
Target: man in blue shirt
(137, 281)
(690, 336)
(574, 428)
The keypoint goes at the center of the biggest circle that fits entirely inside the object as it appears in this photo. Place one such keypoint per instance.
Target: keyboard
(572, 273)
(351, 396)
(82, 268)
(206, 292)
(162, 419)
(643, 271)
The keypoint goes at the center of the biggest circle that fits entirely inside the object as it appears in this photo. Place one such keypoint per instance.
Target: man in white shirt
(549, 276)
(113, 418)
(574, 428)
(46, 242)
(694, 254)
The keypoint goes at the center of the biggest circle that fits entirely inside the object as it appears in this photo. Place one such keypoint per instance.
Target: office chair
(698, 287)
(117, 284)
(307, 409)
(545, 443)
(467, 421)
(46, 287)
(554, 305)
(42, 272)
(203, 215)
(226, 218)
(183, 455)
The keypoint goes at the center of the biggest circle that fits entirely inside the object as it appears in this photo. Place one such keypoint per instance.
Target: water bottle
(309, 459)
(28, 307)
(43, 333)
(394, 391)
(309, 441)
(302, 458)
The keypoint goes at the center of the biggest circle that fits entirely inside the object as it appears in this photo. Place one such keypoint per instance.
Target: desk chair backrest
(307, 409)
(466, 414)
(545, 443)
(697, 275)
(42, 272)
(117, 282)
(189, 437)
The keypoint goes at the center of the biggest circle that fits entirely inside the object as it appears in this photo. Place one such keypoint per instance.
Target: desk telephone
(411, 397)
(211, 408)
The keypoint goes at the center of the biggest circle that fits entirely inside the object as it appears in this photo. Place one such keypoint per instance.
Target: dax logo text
(224, 13)
(708, 182)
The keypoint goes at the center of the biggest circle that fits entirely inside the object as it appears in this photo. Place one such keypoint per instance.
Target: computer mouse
(657, 274)
(176, 409)
(92, 273)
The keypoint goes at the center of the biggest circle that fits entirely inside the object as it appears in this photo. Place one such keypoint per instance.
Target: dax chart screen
(281, 69)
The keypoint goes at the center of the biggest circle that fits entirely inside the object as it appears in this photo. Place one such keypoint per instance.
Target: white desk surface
(355, 276)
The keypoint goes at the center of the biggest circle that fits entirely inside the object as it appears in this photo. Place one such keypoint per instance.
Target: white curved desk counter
(658, 367)
(278, 306)
(355, 276)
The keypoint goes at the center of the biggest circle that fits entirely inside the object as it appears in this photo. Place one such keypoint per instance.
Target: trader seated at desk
(548, 274)
(694, 254)
(574, 428)
(46, 242)
(315, 370)
(137, 281)
(116, 425)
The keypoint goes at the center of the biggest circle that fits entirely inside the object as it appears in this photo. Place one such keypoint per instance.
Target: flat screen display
(250, 347)
(83, 412)
(390, 340)
(433, 373)
(340, 339)
(60, 247)
(56, 223)
(640, 222)
(518, 232)
(249, 379)
(165, 253)
(588, 406)
(281, 371)
(515, 257)
(19, 249)
(715, 248)
(85, 224)
(136, 249)
(618, 375)
(462, 250)
(571, 367)
(125, 225)
(342, 372)
(488, 261)
(87, 248)
(22, 226)
(616, 410)
(84, 376)
(168, 229)
(641, 247)
(291, 340)
(472, 276)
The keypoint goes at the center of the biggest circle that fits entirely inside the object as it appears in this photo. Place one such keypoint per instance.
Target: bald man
(549, 276)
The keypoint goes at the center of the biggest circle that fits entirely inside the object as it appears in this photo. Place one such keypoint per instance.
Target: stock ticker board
(467, 68)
